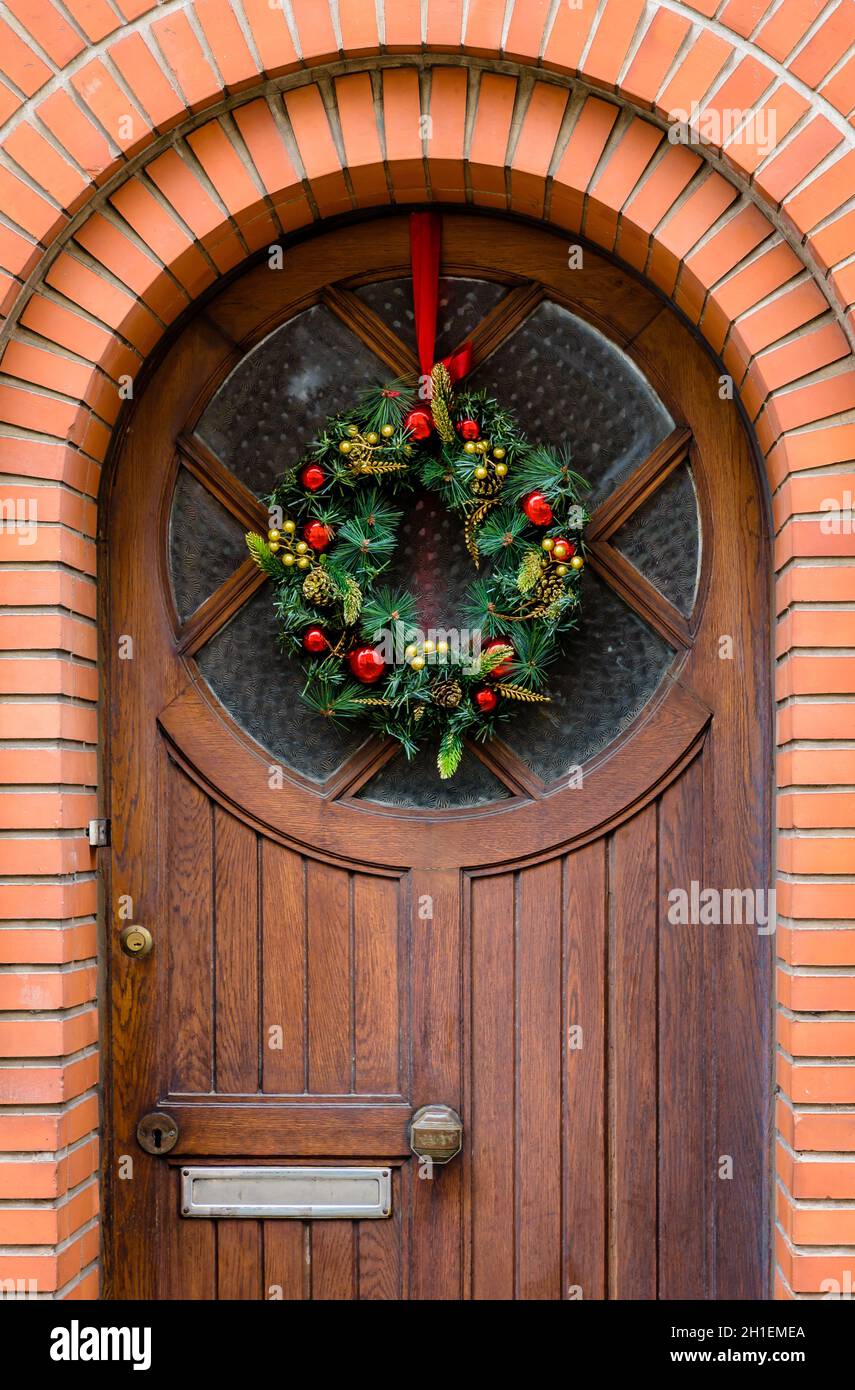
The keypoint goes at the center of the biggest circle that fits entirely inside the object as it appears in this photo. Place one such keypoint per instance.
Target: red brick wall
(140, 161)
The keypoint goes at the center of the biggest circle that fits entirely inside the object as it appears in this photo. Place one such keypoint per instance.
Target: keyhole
(157, 1134)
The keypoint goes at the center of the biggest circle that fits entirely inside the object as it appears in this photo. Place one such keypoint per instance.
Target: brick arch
(120, 244)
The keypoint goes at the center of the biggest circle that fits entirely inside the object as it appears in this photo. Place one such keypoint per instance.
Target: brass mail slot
(298, 1194)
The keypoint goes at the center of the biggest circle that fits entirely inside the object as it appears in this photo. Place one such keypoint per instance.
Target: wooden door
(501, 945)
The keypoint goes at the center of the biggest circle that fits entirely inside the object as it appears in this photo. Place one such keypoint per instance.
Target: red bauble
(562, 549)
(366, 664)
(499, 672)
(317, 534)
(312, 476)
(468, 429)
(419, 422)
(537, 508)
(485, 699)
(315, 640)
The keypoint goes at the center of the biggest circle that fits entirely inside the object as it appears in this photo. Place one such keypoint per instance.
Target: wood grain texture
(537, 949)
(330, 998)
(286, 1260)
(684, 1158)
(378, 977)
(239, 1267)
(633, 928)
(585, 1040)
(491, 1150)
(334, 1259)
(283, 970)
(190, 903)
(413, 957)
(236, 954)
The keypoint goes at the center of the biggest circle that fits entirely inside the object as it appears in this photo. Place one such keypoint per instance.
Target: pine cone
(486, 487)
(447, 694)
(549, 588)
(318, 588)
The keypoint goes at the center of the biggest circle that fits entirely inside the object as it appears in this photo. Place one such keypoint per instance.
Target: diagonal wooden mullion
(251, 514)
(498, 758)
(242, 504)
(639, 594)
(614, 567)
(634, 490)
(503, 320)
(222, 605)
(373, 331)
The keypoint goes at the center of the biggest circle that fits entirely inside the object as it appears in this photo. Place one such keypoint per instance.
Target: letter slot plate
(319, 1194)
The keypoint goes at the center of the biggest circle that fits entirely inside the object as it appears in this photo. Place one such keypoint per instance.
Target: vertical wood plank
(190, 907)
(585, 1155)
(740, 1029)
(684, 1075)
(436, 1265)
(333, 1262)
(283, 969)
(490, 1147)
(285, 1268)
(330, 982)
(236, 905)
(537, 928)
(377, 1010)
(239, 1259)
(191, 1251)
(379, 1249)
(632, 1059)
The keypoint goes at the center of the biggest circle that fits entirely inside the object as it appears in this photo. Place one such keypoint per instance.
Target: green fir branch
(529, 571)
(266, 559)
(449, 754)
(386, 610)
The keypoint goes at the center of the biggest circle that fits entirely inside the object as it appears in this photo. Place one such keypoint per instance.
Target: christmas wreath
(333, 533)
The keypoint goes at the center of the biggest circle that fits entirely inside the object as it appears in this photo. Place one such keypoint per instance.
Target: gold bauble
(499, 452)
(483, 446)
(418, 663)
(577, 562)
(274, 546)
(428, 646)
(372, 437)
(387, 431)
(290, 527)
(470, 447)
(481, 471)
(408, 449)
(442, 649)
(562, 570)
(547, 543)
(501, 470)
(353, 430)
(410, 652)
(273, 535)
(301, 547)
(288, 559)
(303, 563)
(345, 446)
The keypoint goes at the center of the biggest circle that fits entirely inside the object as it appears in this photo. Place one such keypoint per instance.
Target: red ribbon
(425, 241)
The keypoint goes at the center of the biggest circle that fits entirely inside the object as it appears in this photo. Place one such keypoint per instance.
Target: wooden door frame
(623, 307)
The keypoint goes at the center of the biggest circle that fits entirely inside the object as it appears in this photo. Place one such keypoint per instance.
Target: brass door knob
(136, 941)
(436, 1132)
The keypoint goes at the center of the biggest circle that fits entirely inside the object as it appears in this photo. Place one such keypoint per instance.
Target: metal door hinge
(99, 833)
